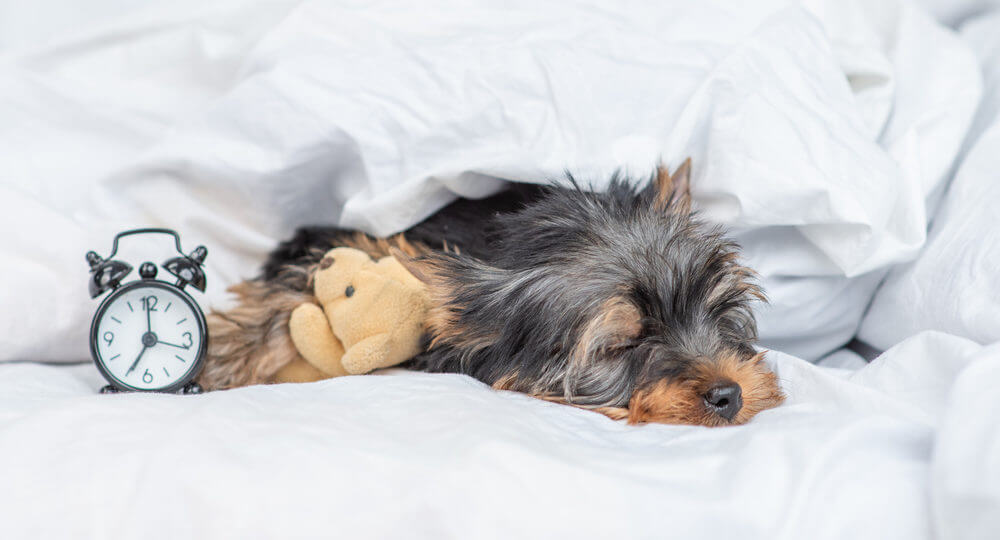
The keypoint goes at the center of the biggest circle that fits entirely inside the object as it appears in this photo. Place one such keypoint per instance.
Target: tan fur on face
(680, 402)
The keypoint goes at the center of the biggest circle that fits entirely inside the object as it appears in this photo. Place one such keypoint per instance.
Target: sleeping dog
(619, 301)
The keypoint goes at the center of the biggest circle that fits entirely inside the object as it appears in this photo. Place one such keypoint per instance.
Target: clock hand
(149, 325)
(172, 345)
(137, 358)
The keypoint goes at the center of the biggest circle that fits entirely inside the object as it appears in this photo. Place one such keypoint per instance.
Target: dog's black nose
(724, 399)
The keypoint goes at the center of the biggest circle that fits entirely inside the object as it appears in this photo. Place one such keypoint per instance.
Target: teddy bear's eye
(349, 291)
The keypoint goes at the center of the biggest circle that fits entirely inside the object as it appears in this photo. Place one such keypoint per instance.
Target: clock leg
(110, 389)
(192, 388)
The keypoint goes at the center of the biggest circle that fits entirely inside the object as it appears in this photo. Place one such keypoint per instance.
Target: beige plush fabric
(370, 315)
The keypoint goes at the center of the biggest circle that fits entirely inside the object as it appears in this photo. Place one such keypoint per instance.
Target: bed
(850, 147)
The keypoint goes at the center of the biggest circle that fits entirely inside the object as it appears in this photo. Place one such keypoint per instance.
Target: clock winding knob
(147, 270)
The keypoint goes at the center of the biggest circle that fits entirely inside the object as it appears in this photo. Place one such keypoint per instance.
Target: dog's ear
(615, 323)
(598, 367)
(673, 191)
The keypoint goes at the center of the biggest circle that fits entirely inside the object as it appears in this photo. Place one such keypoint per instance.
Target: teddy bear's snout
(349, 292)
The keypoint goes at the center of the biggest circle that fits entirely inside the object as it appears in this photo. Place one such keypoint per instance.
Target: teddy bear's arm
(314, 339)
(369, 354)
(299, 370)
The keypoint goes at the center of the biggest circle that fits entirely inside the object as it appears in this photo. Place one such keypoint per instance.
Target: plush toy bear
(370, 315)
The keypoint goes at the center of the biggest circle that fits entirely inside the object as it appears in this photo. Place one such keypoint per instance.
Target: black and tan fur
(618, 301)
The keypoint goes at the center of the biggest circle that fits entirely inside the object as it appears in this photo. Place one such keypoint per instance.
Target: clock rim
(199, 360)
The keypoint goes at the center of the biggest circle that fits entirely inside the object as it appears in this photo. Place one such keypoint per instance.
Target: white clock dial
(148, 337)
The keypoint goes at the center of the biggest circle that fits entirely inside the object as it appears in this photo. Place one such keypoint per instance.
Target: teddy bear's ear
(345, 257)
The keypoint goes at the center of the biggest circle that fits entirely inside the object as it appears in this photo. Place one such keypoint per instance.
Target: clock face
(148, 336)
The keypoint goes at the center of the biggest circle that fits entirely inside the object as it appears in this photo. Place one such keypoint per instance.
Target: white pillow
(954, 286)
(818, 133)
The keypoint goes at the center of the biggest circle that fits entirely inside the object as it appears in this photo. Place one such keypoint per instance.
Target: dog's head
(619, 301)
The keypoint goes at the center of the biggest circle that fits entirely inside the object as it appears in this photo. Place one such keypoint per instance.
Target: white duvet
(824, 134)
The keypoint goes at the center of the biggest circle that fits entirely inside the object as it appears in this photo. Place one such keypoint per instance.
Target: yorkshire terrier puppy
(619, 301)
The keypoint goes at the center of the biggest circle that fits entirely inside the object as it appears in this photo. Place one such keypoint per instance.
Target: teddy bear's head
(338, 272)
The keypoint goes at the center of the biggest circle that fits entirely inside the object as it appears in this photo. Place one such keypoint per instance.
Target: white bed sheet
(899, 449)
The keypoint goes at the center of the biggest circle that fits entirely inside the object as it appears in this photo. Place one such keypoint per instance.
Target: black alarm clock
(148, 335)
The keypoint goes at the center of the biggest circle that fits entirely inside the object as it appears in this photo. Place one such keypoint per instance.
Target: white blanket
(823, 135)
(902, 449)
(953, 285)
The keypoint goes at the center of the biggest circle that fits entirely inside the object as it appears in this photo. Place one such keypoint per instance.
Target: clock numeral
(109, 337)
(149, 303)
(187, 336)
(147, 377)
